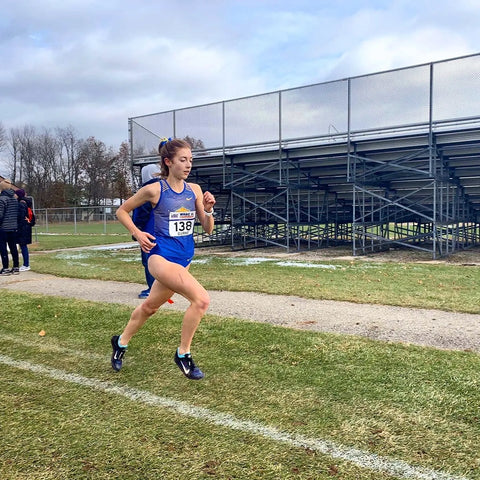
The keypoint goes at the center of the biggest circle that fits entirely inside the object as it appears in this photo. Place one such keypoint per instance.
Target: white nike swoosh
(189, 198)
(186, 370)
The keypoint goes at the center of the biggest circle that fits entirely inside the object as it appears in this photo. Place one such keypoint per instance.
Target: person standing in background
(25, 223)
(141, 216)
(9, 215)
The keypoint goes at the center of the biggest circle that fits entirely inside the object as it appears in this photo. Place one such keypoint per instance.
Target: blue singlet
(172, 222)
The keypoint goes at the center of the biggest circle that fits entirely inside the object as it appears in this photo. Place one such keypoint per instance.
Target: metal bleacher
(380, 161)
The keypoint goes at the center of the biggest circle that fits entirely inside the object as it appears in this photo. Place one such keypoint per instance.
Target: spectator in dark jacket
(140, 217)
(9, 213)
(25, 224)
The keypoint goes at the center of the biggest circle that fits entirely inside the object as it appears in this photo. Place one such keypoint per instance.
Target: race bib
(181, 223)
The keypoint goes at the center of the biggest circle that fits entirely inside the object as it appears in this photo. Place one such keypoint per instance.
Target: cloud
(391, 51)
(136, 62)
(406, 34)
(94, 64)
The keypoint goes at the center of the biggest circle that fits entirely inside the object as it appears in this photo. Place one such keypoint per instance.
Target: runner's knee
(148, 309)
(202, 303)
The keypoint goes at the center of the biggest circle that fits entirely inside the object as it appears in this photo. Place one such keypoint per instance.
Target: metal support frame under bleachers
(411, 185)
(413, 198)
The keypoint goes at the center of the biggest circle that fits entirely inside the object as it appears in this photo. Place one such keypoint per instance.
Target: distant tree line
(60, 169)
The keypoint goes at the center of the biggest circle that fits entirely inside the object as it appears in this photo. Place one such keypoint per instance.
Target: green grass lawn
(449, 287)
(64, 413)
(45, 242)
(404, 403)
(93, 227)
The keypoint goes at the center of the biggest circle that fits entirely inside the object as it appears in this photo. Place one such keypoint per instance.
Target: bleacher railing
(435, 95)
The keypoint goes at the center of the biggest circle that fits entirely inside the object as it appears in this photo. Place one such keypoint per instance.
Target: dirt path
(446, 330)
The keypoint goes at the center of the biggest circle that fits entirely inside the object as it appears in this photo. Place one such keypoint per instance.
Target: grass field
(450, 287)
(275, 404)
(98, 227)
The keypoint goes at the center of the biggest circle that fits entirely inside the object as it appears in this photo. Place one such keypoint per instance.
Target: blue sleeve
(141, 215)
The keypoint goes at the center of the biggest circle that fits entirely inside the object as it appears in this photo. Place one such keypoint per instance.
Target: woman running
(168, 239)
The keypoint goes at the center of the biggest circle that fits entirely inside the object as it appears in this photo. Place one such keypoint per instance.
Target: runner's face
(181, 163)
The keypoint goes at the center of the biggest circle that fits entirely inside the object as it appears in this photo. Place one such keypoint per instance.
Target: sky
(94, 64)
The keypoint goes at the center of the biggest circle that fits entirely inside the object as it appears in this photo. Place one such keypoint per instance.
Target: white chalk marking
(358, 457)
(45, 345)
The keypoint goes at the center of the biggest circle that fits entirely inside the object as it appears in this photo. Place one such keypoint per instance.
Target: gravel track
(434, 328)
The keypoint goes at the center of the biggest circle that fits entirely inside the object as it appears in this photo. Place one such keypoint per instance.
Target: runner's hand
(208, 201)
(145, 241)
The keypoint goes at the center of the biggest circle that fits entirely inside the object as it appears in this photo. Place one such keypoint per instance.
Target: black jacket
(9, 213)
(24, 231)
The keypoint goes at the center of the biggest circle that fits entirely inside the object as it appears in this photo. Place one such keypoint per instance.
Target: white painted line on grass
(358, 457)
(47, 345)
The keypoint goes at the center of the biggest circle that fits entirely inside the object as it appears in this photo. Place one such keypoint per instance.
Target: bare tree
(14, 149)
(70, 167)
(60, 169)
(3, 137)
(195, 143)
(4, 164)
(47, 170)
(69, 154)
(97, 166)
(122, 183)
(25, 168)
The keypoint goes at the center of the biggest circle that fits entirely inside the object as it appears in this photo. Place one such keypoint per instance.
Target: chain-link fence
(412, 98)
(100, 220)
(78, 220)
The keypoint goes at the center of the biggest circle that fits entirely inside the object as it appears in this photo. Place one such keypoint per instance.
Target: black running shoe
(5, 271)
(118, 353)
(188, 367)
(15, 270)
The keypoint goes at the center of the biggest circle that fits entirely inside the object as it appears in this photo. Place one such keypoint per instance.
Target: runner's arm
(149, 193)
(204, 203)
